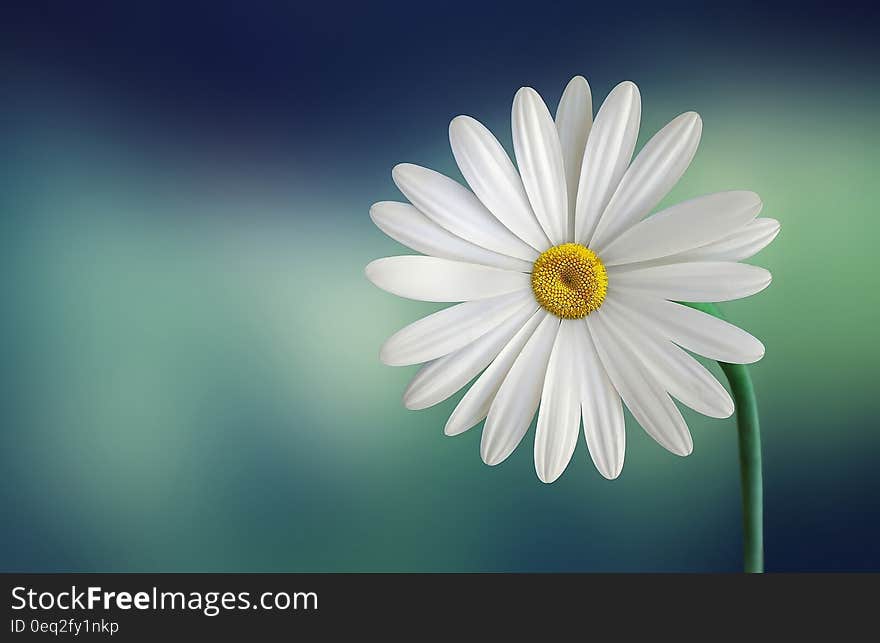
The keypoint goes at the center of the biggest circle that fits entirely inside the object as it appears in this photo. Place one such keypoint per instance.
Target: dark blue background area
(266, 81)
(296, 70)
(344, 91)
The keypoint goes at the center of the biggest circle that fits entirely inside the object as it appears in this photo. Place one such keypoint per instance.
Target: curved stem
(751, 476)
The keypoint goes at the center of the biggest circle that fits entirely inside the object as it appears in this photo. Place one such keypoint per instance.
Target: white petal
(517, 399)
(474, 406)
(650, 177)
(455, 208)
(493, 178)
(601, 408)
(650, 405)
(449, 329)
(684, 226)
(693, 281)
(694, 330)
(559, 418)
(574, 117)
(441, 378)
(607, 155)
(434, 279)
(681, 375)
(539, 155)
(404, 223)
(742, 244)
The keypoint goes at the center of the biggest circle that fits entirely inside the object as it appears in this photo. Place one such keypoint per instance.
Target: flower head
(569, 288)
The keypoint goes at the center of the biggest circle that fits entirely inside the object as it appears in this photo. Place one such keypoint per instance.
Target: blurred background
(190, 349)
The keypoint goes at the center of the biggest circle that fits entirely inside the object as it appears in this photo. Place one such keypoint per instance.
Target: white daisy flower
(569, 292)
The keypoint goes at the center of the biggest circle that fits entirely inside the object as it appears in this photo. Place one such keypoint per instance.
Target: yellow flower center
(569, 280)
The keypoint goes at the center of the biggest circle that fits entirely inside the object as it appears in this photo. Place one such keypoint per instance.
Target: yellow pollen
(569, 280)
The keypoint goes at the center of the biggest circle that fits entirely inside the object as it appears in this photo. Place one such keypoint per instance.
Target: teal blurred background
(191, 378)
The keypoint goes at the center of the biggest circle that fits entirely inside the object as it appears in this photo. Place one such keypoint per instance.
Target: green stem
(751, 477)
